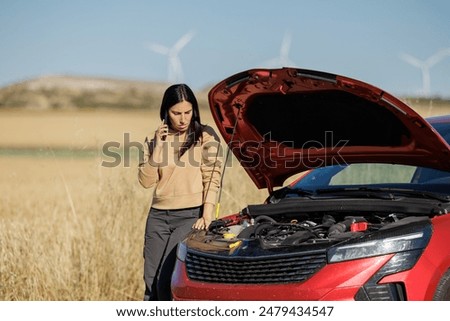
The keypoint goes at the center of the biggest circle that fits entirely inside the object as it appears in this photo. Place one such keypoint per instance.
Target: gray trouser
(164, 230)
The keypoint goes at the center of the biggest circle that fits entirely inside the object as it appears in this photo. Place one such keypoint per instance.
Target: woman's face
(180, 116)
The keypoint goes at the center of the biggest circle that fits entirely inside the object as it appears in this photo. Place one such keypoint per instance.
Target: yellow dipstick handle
(217, 210)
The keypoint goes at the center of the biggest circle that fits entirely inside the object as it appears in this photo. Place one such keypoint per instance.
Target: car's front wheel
(443, 289)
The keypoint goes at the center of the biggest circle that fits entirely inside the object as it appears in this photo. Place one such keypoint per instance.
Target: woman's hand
(161, 133)
(202, 223)
(206, 219)
(157, 144)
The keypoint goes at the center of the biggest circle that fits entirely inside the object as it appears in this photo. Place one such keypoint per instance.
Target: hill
(75, 92)
(72, 92)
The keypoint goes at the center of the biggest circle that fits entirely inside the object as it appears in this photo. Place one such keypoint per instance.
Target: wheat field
(72, 229)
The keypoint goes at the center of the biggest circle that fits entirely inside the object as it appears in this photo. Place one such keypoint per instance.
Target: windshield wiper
(421, 194)
(282, 193)
(299, 191)
(358, 192)
(384, 193)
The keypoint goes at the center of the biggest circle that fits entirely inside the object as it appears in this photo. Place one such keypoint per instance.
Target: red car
(368, 220)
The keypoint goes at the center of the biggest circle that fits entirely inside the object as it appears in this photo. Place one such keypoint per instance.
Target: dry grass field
(72, 229)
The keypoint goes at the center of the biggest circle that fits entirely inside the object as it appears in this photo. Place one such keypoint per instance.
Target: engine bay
(282, 231)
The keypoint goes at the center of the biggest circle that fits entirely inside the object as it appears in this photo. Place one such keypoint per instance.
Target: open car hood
(279, 122)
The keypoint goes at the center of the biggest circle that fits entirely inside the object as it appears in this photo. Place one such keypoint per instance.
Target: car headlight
(182, 251)
(407, 242)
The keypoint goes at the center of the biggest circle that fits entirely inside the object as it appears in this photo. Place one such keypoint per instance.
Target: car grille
(276, 269)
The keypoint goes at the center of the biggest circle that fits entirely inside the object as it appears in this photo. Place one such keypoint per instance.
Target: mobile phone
(166, 118)
(166, 122)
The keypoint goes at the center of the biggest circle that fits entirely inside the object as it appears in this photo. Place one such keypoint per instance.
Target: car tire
(443, 289)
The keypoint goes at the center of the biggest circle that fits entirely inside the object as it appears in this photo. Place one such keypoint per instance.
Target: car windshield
(374, 176)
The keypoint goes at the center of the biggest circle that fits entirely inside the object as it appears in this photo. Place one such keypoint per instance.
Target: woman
(182, 162)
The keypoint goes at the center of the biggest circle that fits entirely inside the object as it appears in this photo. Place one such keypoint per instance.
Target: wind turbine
(425, 66)
(175, 71)
(283, 59)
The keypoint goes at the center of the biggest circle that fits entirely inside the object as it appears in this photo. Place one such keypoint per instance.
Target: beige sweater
(190, 181)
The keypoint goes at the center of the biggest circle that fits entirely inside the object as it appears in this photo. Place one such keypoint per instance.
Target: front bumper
(338, 281)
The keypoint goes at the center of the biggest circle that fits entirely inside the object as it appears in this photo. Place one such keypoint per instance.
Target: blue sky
(111, 38)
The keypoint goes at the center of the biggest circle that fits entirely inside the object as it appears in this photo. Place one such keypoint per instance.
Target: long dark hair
(174, 95)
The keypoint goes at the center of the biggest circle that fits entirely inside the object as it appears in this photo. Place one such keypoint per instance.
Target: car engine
(320, 228)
